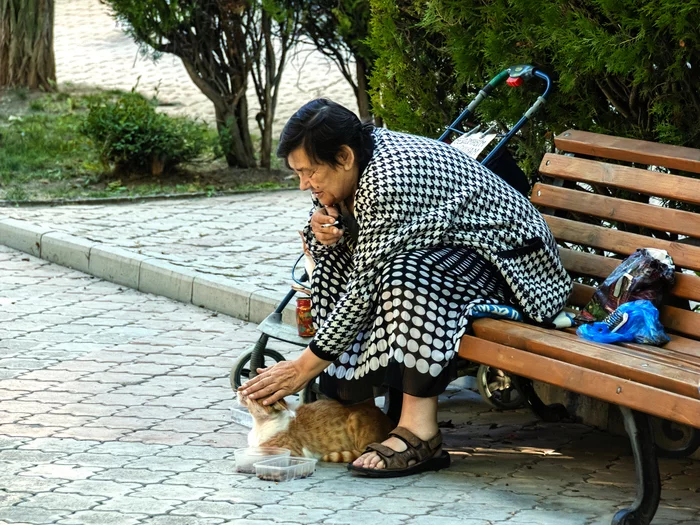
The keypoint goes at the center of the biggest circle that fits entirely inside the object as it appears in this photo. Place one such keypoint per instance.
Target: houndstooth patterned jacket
(420, 193)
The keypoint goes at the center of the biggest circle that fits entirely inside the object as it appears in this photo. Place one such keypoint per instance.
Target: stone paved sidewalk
(92, 51)
(114, 409)
(250, 239)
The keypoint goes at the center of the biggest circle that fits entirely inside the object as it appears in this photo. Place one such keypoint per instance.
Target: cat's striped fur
(324, 430)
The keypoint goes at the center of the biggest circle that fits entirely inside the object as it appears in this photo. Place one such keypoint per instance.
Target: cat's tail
(346, 456)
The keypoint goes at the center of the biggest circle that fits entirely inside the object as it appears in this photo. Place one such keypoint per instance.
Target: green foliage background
(130, 134)
(623, 67)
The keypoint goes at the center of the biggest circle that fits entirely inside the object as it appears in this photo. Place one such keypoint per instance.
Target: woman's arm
(284, 378)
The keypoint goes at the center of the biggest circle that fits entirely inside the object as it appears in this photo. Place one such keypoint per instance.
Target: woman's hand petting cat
(275, 382)
(284, 378)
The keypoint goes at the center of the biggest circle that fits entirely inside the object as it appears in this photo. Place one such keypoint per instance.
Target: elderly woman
(408, 235)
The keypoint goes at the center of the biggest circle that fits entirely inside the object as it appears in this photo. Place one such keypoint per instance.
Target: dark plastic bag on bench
(637, 321)
(645, 275)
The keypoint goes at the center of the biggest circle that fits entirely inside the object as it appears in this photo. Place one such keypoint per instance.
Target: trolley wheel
(498, 389)
(674, 440)
(240, 372)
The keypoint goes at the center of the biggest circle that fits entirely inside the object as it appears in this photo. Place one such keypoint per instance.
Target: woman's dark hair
(321, 127)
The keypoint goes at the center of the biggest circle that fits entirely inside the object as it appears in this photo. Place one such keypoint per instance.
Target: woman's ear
(346, 157)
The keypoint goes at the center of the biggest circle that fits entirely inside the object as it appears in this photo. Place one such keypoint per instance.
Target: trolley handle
(514, 76)
(517, 75)
(304, 277)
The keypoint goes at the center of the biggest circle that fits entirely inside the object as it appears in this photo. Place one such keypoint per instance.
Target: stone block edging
(147, 274)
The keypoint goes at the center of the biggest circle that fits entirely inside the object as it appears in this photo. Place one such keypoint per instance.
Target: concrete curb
(135, 198)
(147, 274)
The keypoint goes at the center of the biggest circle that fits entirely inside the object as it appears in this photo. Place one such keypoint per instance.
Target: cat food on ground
(285, 468)
(247, 457)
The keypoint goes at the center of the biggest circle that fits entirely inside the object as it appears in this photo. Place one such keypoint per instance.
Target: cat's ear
(242, 400)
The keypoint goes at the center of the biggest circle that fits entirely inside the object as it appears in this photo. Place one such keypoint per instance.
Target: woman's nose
(304, 183)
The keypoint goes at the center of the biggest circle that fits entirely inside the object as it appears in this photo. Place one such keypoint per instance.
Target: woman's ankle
(422, 432)
(419, 415)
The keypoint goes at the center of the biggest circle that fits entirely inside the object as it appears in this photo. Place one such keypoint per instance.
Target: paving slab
(244, 271)
(92, 50)
(136, 428)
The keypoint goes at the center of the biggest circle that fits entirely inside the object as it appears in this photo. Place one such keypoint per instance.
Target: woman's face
(329, 184)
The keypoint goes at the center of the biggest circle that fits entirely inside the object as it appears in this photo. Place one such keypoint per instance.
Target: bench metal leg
(550, 413)
(645, 504)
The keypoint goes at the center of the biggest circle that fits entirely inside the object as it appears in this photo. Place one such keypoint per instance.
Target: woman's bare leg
(419, 415)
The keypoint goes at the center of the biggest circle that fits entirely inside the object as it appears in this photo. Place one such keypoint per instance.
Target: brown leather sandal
(427, 455)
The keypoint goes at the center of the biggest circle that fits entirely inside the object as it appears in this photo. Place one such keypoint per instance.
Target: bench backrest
(588, 186)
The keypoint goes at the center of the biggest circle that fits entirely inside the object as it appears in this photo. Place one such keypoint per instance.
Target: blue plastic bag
(636, 321)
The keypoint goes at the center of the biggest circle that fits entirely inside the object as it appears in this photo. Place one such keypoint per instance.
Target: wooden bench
(640, 379)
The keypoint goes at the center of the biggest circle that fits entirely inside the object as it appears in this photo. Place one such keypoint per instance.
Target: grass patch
(43, 143)
(44, 155)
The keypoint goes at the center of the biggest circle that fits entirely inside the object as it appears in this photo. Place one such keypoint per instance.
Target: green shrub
(624, 67)
(132, 136)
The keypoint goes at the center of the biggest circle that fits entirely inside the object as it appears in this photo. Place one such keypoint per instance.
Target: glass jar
(305, 322)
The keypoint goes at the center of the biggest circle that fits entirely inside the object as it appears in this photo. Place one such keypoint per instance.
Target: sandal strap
(393, 459)
(383, 451)
(413, 441)
(417, 450)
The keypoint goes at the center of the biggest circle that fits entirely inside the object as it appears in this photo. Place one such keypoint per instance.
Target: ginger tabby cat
(324, 430)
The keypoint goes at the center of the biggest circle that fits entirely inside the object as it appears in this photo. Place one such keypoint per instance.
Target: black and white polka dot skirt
(422, 308)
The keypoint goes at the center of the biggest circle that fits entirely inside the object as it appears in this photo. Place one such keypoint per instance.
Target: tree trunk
(266, 102)
(266, 144)
(267, 78)
(232, 125)
(26, 44)
(231, 121)
(363, 105)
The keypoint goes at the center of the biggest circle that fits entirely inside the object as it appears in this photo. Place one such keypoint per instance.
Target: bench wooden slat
(629, 150)
(684, 255)
(654, 401)
(603, 358)
(680, 345)
(681, 321)
(680, 348)
(663, 185)
(687, 286)
(583, 263)
(612, 209)
(680, 352)
(581, 294)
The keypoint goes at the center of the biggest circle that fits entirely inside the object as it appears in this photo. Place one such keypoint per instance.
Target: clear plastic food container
(285, 468)
(247, 457)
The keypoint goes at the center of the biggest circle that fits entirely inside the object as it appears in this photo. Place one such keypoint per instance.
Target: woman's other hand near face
(322, 225)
